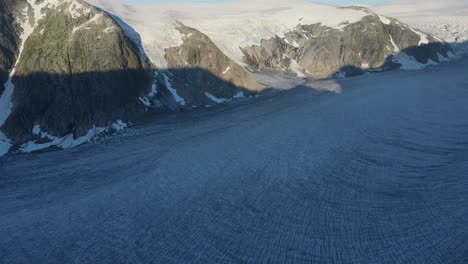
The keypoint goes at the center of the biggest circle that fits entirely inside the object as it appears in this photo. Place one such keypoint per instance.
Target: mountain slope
(202, 74)
(10, 37)
(13, 17)
(453, 29)
(319, 51)
(77, 71)
(297, 37)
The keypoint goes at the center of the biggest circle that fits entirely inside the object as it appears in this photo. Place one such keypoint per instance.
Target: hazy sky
(389, 7)
(335, 2)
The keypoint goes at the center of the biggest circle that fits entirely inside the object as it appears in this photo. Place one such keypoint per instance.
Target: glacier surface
(374, 174)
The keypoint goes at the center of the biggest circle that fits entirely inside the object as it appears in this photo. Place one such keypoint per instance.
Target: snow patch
(384, 20)
(119, 125)
(145, 101)
(294, 67)
(295, 44)
(186, 35)
(226, 70)
(431, 62)
(422, 37)
(6, 103)
(239, 95)
(410, 63)
(215, 99)
(451, 55)
(76, 10)
(395, 47)
(68, 141)
(442, 58)
(39, 8)
(5, 144)
(223, 100)
(96, 19)
(108, 29)
(36, 130)
(154, 91)
(172, 90)
(407, 62)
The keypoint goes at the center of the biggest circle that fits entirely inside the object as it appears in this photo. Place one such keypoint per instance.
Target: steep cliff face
(10, 30)
(13, 13)
(77, 70)
(201, 74)
(319, 51)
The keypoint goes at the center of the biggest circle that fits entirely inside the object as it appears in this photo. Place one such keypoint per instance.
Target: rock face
(77, 70)
(319, 51)
(295, 37)
(201, 74)
(9, 37)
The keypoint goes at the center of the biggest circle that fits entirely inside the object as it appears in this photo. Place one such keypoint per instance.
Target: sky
(334, 2)
(396, 8)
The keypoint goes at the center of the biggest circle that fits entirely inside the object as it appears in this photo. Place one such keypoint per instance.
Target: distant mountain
(373, 43)
(71, 71)
(295, 37)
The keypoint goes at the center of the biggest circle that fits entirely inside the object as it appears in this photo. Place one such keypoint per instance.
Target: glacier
(373, 174)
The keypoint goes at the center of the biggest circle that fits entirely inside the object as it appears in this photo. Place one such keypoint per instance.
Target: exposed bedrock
(77, 70)
(201, 73)
(320, 51)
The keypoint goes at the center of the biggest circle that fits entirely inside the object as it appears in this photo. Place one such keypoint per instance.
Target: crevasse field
(374, 172)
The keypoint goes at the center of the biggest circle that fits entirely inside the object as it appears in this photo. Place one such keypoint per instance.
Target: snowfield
(444, 19)
(374, 172)
(453, 29)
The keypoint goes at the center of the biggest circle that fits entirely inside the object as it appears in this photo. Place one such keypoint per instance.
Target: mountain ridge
(94, 67)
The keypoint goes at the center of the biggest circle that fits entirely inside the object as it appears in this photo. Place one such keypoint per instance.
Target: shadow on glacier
(64, 104)
(414, 57)
(410, 58)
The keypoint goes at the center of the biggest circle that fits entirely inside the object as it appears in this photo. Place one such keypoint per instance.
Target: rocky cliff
(201, 74)
(77, 70)
(10, 30)
(319, 51)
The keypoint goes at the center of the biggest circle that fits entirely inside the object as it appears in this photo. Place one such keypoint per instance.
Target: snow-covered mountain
(299, 37)
(72, 71)
(373, 43)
